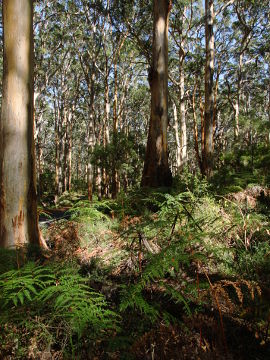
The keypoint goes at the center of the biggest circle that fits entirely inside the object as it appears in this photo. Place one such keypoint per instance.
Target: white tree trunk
(209, 87)
(18, 208)
(177, 139)
(183, 125)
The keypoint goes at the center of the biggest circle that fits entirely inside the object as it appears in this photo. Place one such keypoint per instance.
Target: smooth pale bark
(215, 103)
(183, 125)
(67, 163)
(122, 102)
(91, 135)
(236, 118)
(18, 207)
(209, 88)
(99, 182)
(239, 96)
(65, 150)
(247, 34)
(90, 77)
(106, 134)
(177, 138)
(156, 170)
(115, 99)
(237, 105)
(115, 180)
(79, 163)
(58, 168)
(90, 167)
(195, 128)
(202, 129)
(116, 117)
(40, 167)
(181, 44)
(39, 155)
(70, 128)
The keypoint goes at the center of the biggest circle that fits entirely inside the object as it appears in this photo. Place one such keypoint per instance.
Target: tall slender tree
(209, 88)
(156, 170)
(18, 208)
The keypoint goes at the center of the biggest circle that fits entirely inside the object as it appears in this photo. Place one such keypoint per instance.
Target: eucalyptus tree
(182, 23)
(56, 92)
(209, 87)
(245, 65)
(156, 170)
(18, 207)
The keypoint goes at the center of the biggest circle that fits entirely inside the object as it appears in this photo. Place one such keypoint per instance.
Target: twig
(192, 218)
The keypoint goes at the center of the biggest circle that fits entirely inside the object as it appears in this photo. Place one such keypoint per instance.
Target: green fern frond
(20, 286)
(62, 292)
(85, 211)
(159, 266)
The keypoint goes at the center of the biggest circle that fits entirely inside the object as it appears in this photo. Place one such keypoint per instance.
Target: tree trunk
(65, 151)
(18, 207)
(209, 87)
(183, 125)
(70, 126)
(202, 129)
(177, 138)
(91, 134)
(90, 168)
(195, 128)
(58, 168)
(106, 135)
(156, 170)
(98, 183)
(115, 132)
(215, 104)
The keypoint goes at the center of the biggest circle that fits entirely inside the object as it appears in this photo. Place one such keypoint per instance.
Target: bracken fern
(59, 293)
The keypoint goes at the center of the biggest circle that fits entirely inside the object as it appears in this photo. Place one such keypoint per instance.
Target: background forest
(178, 269)
(93, 101)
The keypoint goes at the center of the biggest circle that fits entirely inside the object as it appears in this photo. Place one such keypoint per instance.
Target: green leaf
(21, 297)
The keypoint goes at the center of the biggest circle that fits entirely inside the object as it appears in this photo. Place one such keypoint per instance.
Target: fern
(19, 286)
(59, 293)
(85, 211)
(8, 260)
(179, 245)
(80, 306)
(158, 268)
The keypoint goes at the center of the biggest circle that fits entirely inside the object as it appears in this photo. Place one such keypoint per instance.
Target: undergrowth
(61, 299)
(142, 256)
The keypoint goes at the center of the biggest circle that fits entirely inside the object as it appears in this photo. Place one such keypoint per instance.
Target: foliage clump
(55, 300)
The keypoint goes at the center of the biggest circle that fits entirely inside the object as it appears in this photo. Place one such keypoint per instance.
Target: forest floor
(222, 328)
(183, 291)
(227, 323)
